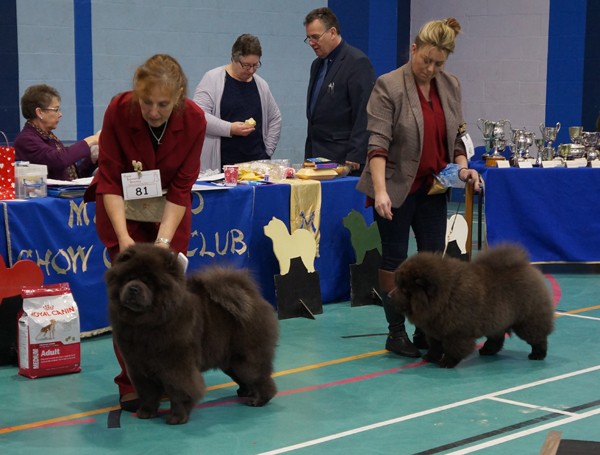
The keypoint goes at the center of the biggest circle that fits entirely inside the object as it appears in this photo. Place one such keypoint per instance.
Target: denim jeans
(427, 215)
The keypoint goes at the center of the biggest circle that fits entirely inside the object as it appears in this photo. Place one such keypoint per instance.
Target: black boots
(419, 339)
(397, 340)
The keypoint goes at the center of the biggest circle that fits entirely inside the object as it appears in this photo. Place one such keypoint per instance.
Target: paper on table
(211, 178)
(77, 182)
(200, 187)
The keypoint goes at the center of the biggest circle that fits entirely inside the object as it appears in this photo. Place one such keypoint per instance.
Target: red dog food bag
(48, 332)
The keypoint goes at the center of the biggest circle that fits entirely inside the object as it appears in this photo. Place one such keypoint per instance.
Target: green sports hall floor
(340, 392)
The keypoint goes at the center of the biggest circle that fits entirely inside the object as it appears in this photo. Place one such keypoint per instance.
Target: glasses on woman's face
(249, 66)
(55, 109)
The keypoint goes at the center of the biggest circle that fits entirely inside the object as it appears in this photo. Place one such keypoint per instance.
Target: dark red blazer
(125, 137)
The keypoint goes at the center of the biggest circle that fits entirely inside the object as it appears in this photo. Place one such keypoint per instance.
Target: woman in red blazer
(157, 126)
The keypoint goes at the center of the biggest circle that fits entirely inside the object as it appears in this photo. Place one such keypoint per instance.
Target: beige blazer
(395, 123)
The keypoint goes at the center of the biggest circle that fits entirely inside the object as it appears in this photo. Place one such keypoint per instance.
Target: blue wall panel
(591, 67)
(382, 35)
(84, 77)
(371, 26)
(353, 16)
(9, 71)
(566, 50)
(403, 38)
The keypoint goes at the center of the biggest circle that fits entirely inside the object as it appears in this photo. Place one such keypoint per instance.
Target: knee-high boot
(397, 340)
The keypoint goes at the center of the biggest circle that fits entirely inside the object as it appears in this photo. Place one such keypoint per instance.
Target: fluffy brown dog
(456, 302)
(170, 329)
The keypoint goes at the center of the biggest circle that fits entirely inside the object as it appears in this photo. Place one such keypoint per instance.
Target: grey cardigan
(208, 96)
(395, 121)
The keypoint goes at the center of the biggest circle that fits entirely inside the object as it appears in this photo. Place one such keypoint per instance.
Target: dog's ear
(172, 258)
(421, 295)
(125, 256)
(427, 286)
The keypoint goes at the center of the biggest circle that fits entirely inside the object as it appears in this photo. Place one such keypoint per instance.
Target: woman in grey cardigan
(244, 122)
(416, 123)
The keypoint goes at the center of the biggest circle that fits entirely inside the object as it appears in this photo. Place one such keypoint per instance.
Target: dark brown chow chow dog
(456, 302)
(169, 330)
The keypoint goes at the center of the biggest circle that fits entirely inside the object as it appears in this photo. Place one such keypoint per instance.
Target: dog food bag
(48, 332)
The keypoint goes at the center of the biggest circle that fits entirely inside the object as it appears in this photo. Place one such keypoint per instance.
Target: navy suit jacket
(337, 129)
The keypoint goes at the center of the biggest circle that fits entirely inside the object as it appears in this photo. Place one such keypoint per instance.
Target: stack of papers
(67, 189)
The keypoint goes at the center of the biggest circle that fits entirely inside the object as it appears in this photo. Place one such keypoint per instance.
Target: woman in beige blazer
(415, 120)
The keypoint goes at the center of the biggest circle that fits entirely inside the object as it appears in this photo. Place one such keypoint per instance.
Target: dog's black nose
(134, 290)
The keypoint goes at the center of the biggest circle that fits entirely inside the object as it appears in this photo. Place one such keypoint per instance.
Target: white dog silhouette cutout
(460, 232)
(300, 244)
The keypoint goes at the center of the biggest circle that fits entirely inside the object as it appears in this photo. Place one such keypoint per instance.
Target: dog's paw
(448, 362)
(491, 347)
(242, 392)
(537, 356)
(432, 357)
(538, 352)
(177, 419)
(146, 413)
(256, 402)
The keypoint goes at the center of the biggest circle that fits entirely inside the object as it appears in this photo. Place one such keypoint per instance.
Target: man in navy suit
(341, 80)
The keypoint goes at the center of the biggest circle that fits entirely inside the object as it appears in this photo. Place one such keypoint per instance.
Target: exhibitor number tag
(141, 185)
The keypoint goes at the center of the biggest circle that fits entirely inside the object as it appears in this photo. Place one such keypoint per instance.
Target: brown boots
(397, 340)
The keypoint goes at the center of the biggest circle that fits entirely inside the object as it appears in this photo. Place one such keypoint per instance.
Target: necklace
(161, 134)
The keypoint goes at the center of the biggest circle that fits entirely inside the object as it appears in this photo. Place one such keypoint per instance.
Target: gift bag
(48, 332)
(7, 171)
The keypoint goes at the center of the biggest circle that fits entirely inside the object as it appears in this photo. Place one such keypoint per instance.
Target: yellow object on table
(316, 174)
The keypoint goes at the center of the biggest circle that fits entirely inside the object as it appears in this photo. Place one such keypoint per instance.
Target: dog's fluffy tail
(232, 289)
(503, 257)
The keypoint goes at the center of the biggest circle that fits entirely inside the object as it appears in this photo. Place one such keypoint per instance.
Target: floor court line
(532, 406)
(580, 310)
(55, 420)
(577, 316)
(533, 423)
(436, 410)
(524, 433)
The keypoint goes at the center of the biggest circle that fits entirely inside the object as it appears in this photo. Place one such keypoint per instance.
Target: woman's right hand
(93, 140)
(240, 129)
(383, 205)
(125, 243)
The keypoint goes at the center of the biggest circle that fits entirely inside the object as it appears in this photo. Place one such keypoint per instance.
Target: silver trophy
(519, 139)
(516, 155)
(590, 140)
(549, 134)
(529, 137)
(539, 143)
(493, 135)
(575, 134)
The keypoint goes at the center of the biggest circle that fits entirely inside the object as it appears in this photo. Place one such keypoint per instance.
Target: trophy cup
(487, 129)
(577, 150)
(575, 133)
(519, 139)
(564, 150)
(590, 140)
(515, 157)
(529, 136)
(549, 134)
(493, 135)
(539, 143)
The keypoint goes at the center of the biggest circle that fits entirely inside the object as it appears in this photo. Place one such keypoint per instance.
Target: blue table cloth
(552, 212)
(227, 229)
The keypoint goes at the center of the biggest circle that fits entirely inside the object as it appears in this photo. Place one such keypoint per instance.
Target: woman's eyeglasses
(248, 66)
(55, 109)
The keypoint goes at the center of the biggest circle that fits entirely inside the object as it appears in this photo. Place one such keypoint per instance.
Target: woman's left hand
(469, 175)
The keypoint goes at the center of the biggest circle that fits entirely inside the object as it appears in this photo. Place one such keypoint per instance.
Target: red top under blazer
(125, 137)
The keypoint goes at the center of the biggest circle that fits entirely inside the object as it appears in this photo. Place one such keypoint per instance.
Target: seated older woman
(244, 121)
(37, 144)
